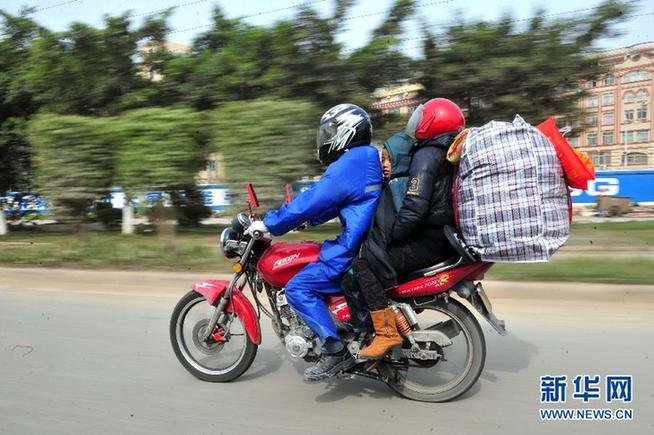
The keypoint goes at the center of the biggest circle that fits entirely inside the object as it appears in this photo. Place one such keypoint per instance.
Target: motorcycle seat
(431, 270)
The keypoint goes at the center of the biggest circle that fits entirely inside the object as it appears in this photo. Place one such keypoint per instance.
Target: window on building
(591, 139)
(628, 115)
(607, 137)
(591, 121)
(642, 96)
(591, 83)
(574, 141)
(628, 97)
(600, 159)
(591, 101)
(634, 159)
(608, 118)
(641, 113)
(607, 99)
(211, 166)
(572, 123)
(636, 76)
(627, 136)
(642, 135)
(609, 79)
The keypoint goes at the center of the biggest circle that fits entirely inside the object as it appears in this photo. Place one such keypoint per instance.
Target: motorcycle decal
(211, 289)
(441, 282)
(284, 261)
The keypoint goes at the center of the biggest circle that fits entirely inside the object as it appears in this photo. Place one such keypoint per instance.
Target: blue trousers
(304, 293)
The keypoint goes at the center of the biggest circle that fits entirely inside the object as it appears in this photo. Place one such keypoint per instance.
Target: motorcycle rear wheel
(471, 368)
(196, 355)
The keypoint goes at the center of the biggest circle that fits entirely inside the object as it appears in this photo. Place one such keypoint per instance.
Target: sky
(192, 17)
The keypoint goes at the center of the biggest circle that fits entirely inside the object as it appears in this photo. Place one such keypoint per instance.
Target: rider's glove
(259, 230)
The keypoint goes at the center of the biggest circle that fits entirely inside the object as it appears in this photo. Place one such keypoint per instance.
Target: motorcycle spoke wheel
(213, 360)
(459, 364)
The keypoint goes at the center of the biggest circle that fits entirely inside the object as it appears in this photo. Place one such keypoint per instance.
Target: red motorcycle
(215, 329)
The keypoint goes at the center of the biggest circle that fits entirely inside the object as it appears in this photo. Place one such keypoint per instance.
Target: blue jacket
(350, 189)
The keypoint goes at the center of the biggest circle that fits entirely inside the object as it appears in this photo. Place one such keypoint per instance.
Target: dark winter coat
(426, 208)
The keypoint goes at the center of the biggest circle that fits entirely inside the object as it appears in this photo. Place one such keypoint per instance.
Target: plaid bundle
(512, 198)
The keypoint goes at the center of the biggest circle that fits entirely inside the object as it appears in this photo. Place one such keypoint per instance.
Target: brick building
(618, 129)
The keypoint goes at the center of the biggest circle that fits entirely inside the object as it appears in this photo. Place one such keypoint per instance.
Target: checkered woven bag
(512, 200)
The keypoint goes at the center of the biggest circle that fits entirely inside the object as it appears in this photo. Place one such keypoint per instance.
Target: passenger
(413, 237)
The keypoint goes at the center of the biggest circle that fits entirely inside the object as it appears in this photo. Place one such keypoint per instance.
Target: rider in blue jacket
(349, 189)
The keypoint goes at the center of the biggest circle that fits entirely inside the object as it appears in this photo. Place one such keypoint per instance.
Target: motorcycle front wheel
(460, 363)
(213, 361)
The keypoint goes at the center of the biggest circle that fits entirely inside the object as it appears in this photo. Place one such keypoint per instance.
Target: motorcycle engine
(300, 341)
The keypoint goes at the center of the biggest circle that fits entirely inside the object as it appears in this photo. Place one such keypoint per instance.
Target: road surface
(87, 352)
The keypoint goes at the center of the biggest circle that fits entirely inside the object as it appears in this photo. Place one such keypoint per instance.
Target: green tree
(265, 142)
(497, 69)
(93, 71)
(381, 62)
(16, 104)
(156, 148)
(73, 162)
(293, 58)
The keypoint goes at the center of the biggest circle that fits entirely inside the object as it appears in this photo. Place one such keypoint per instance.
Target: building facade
(400, 100)
(146, 71)
(618, 130)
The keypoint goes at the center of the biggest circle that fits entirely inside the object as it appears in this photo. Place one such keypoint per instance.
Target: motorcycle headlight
(229, 243)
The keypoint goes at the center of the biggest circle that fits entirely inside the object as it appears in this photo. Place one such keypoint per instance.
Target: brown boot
(386, 335)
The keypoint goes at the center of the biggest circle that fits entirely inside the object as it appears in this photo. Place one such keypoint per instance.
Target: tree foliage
(73, 162)
(265, 142)
(16, 101)
(157, 148)
(262, 87)
(497, 69)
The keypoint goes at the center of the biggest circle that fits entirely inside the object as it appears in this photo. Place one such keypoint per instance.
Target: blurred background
(129, 129)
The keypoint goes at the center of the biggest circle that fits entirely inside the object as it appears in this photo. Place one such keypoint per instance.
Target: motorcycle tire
(232, 372)
(467, 322)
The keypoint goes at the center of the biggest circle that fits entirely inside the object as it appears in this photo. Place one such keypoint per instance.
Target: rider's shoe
(386, 335)
(329, 365)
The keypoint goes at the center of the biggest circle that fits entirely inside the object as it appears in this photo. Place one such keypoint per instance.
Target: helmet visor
(414, 120)
(324, 138)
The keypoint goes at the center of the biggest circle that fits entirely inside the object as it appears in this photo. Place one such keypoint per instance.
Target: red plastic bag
(577, 166)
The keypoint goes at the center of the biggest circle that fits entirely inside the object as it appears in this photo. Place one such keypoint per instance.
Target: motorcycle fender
(213, 289)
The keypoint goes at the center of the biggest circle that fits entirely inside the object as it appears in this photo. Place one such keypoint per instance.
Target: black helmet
(342, 127)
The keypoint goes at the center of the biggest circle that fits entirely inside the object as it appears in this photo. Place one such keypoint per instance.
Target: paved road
(88, 352)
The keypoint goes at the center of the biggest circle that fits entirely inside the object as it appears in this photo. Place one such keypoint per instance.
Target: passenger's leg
(405, 257)
(383, 317)
(356, 301)
(369, 284)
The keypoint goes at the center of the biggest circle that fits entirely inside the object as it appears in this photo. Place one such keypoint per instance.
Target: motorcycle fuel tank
(282, 261)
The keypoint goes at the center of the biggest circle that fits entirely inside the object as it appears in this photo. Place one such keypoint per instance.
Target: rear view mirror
(289, 196)
(254, 202)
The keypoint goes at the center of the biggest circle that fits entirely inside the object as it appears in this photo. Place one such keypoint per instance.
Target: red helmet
(436, 116)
